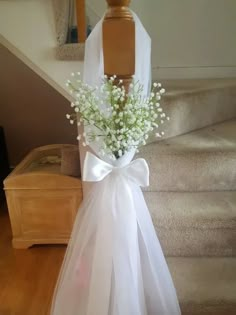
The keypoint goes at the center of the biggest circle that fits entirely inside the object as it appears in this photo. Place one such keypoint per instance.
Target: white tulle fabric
(114, 264)
(94, 63)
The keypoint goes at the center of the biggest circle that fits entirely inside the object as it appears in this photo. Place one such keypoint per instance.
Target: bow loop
(96, 170)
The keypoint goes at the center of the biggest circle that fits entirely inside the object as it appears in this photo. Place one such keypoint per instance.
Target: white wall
(190, 38)
(27, 29)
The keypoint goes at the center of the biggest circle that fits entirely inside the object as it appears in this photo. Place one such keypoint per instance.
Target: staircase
(192, 195)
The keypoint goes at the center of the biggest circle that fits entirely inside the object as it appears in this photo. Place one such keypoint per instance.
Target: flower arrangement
(121, 120)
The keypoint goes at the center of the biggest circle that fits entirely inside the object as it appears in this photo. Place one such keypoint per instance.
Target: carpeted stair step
(205, 285)
(194, 104)
(194, 224)
(202, 160)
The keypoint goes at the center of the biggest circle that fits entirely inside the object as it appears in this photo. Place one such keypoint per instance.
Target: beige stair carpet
(197, 105)
(202, 160)
(205, 285)
(194, 223)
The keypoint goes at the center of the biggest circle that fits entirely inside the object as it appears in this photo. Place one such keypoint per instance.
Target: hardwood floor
(27, 277)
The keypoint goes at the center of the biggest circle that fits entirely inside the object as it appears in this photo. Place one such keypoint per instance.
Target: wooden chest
(42, 202)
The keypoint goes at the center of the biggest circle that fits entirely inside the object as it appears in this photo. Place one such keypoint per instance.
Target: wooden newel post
(81, 20)
(119, 41)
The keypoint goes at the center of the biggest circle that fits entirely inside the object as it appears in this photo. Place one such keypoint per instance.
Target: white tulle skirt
(114, 264)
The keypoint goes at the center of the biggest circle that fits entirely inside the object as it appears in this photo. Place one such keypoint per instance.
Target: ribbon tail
(138, 172)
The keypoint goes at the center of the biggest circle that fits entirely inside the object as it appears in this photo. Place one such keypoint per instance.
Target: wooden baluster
(119, 41)
(81, 20)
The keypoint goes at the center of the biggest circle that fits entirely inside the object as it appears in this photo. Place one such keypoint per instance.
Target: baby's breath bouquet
(119, 121)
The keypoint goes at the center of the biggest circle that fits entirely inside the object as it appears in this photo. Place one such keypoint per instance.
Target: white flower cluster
(120, 121)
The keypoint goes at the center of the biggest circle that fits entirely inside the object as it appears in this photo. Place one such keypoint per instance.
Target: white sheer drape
(94, 63)
(114, 264)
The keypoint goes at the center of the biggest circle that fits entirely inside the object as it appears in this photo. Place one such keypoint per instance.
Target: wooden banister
(119, 41)
(81, 20)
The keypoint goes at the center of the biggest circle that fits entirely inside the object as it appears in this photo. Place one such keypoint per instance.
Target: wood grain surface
(27, 277)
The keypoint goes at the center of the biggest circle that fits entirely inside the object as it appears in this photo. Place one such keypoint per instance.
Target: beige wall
(31, 112)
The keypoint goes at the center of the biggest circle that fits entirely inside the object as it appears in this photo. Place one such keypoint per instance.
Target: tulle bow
(96, 170)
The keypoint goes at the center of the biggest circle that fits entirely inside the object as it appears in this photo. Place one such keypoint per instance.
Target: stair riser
(194, 224)
(211, 171)
(197, 242)
(195, 110)
(205, 285)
